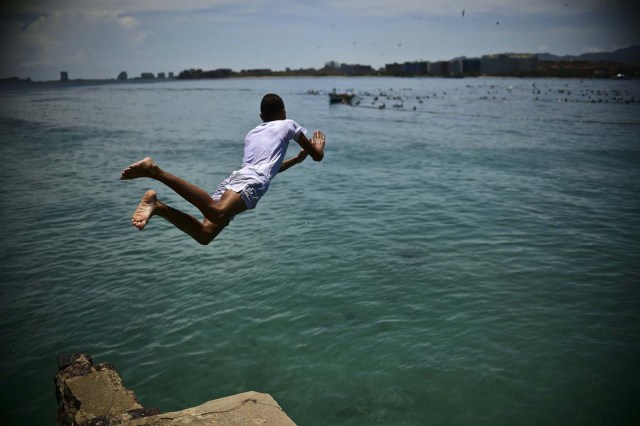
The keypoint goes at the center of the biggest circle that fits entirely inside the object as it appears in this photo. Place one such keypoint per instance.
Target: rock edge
(93, 395)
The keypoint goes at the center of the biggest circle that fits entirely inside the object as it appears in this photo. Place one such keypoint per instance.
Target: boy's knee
(205, 238)
(222, 219)
(209, 233)
(219, 213)
(214, 213)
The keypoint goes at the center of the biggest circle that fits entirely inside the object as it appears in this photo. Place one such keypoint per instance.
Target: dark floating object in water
(341, 98)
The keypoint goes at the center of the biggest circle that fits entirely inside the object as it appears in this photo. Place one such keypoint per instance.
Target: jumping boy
(264, 150)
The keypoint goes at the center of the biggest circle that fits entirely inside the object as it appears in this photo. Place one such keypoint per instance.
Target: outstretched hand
(318, 139)
(314, 146)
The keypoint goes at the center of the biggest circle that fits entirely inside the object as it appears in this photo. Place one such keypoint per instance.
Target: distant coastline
(561, 72)
(622, 63)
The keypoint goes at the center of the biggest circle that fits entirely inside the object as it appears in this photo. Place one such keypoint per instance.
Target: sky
(101, 38)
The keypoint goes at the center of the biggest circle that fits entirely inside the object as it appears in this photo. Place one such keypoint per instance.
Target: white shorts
(249, 188)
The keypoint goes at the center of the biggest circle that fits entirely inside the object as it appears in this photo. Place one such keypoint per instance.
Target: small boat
(621, 77)
(340, 98)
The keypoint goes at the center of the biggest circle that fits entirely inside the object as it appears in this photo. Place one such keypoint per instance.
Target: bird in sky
(463, 12)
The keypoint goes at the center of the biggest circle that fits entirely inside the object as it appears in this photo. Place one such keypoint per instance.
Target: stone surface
(91, 395)
(85, 391)
(249, 408)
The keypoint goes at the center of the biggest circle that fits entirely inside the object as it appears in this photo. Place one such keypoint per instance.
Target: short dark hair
(271, 105)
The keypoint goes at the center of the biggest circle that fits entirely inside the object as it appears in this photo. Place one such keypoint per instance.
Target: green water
(472, 261)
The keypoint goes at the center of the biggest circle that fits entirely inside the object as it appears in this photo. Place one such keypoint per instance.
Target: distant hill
(628, 55)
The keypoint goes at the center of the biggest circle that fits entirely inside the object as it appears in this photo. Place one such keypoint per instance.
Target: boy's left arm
(313, 147)
(293, 161)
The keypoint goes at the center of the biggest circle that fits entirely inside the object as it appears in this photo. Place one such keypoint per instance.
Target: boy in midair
(264, 149)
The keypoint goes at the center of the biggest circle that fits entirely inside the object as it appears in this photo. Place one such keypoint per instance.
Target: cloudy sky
(100, 38)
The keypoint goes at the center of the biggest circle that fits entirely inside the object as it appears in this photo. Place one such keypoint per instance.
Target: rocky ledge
(93, 395)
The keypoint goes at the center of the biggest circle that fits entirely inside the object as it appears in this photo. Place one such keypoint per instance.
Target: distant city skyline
(99, 39)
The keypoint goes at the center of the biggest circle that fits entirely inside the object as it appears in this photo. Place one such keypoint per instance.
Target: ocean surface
(469, 256)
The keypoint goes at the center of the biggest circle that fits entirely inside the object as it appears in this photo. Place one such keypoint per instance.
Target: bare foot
(143, 168)
(145, 210)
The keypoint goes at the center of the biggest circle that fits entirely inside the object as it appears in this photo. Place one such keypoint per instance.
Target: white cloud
(116, 6)
(68, 40)
(101, 37)
(350, 7)
(388, 8)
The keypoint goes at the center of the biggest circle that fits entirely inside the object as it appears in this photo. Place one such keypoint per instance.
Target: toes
(140, 224)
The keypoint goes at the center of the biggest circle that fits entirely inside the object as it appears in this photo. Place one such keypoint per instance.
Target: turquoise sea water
(473, 261)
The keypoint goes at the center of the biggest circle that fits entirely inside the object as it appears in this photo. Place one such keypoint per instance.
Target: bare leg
(203, 232)
(216, 212)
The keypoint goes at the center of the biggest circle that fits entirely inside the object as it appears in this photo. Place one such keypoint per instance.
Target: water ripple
(452, 265)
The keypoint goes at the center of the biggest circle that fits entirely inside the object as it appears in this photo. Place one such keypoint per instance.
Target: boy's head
(272, 108)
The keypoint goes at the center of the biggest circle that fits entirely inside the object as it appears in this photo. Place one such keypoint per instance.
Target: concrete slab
(91, 395)
(248, 408)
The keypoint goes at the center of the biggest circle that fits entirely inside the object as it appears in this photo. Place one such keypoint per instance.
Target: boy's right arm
(315, 146)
